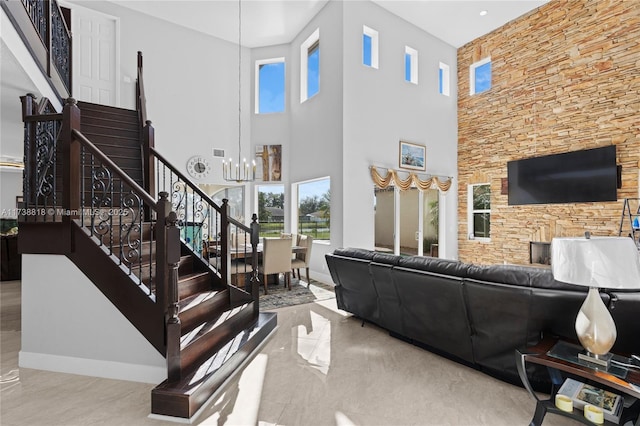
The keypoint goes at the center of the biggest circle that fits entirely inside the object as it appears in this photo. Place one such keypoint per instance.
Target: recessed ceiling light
(483, 12)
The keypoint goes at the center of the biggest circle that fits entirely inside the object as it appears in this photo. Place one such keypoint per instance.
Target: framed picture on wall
(412, 156)
(269, 163)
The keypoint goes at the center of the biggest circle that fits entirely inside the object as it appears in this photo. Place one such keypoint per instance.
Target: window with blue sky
(310, 66)
(480, 76)
(369, 47)
(270, 86)
(313, 70)
(366, 49)
(410, 65)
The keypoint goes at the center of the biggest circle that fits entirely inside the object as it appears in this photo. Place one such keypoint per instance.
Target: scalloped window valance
(391, 177)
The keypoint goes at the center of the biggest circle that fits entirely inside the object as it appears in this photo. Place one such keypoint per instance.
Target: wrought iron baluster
(110, 212)
(36, 11)
(42, 153)
(54, 204)
(92, 221)
(151, 240)
(131, 204)
(158, 175)
(82, 185)
(26, 173)
(102, 196)
(120, 244)
(60, 45)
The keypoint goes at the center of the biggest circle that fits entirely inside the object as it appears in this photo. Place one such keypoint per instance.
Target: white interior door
(95, 57)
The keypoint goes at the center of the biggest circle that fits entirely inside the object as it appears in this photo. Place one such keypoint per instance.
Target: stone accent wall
(565, 77)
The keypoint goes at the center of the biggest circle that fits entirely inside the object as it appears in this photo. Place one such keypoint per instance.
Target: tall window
(235, 195)
(270, 91)
(443, 79)
(310, 66)
(271, 210)
(410, 65)
(479, 211)
(369, 47)
(480, 76)
(314, 208)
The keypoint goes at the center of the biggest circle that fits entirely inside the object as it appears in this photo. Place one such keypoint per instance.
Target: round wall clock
(198, 167)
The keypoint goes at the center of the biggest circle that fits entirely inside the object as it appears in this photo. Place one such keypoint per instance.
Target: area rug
(279, 296)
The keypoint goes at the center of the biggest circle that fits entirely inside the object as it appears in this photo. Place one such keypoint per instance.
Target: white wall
(381, 108)
(69, 326)
(10, 188)
(191, 84)
(310, 132)
(317, 123)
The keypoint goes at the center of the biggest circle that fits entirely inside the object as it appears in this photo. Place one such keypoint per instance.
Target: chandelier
(240, 172)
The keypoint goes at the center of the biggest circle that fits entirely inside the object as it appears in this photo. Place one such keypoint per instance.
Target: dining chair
(276, 259)
(302, 258)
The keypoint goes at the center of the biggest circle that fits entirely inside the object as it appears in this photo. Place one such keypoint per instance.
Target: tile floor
(320, 368)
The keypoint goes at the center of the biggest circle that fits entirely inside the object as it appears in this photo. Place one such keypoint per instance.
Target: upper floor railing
(45, 30)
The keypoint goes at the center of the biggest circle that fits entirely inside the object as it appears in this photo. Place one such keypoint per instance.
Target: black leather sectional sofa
(474, 314)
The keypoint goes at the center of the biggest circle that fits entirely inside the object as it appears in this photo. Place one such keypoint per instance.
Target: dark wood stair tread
(210, 326)
(185, 397)
(196, 299)
(192, 276)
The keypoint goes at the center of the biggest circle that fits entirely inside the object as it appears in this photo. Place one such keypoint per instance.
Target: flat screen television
(579, 176)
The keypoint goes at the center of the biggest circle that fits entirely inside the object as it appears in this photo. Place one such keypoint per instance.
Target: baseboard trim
(92, 367)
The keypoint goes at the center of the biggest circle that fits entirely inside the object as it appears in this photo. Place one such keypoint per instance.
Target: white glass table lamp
(597, 262)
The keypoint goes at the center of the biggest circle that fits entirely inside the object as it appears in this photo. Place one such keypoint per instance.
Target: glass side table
(560, 356)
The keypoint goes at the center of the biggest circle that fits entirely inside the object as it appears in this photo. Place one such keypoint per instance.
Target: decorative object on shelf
(240, 172)
(412, 156)
(198, 167)
(564, 403)
(598, 262)
(598, 404)
(392, 178)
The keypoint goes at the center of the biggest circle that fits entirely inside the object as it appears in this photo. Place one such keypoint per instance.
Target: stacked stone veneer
(565, 77)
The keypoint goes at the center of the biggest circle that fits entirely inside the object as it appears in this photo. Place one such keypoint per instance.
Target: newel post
(255, 280)
(28, 102)
(148, 163)
(71, 168)
(173, 321)
(162, 269)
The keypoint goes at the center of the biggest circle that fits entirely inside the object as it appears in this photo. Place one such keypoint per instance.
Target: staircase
(96, 191)
(143, 252)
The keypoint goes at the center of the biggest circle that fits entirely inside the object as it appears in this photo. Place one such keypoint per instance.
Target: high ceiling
(270, 22)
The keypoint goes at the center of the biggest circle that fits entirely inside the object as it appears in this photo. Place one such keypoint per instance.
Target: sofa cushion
(503, 274)
(357, 253)
(386, 258)
(543, 278)
(435, 265)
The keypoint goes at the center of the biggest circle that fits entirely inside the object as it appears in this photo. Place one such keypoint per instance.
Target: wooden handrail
(114, 168)
(42, 117)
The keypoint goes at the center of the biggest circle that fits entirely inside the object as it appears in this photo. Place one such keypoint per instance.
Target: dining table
(244, 251)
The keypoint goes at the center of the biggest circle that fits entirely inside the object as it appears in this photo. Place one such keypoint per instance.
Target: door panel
(95, 58)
